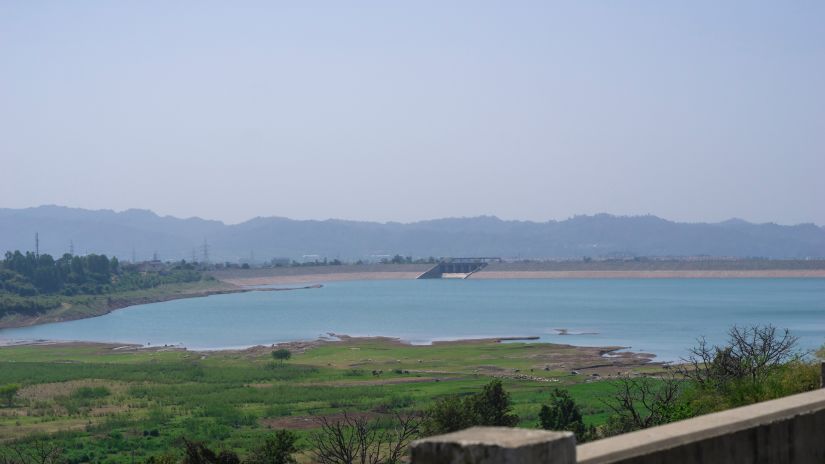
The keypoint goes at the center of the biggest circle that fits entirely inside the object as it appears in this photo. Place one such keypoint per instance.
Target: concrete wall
(785, 431)
(789, 430)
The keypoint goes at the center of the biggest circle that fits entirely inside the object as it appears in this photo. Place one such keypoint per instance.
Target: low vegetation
(755, 364)
(344, 402)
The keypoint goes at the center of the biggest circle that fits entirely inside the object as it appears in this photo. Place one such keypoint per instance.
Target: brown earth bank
(105, 304)
(117, 303)
(317, 278)
(663, 274)
(319, 274)
(658, 264)
(675, 269)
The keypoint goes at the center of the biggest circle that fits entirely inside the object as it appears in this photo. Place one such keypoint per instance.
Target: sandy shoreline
(318, 278)
(321, 277)
(658, 274)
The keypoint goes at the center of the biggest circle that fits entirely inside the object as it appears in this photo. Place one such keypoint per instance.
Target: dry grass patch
(48, 391)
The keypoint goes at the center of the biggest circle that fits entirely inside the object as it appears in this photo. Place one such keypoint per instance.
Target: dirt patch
(395, 381)
(47, 391)
(10, 433)
(367, 383)
(312, 422)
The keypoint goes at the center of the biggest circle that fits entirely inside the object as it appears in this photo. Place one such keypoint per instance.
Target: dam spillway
(457, 268)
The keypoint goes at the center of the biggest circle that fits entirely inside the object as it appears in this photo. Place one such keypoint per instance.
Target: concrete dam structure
(457, 268)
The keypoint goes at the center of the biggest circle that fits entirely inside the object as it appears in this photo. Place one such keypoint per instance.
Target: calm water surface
(658, 316)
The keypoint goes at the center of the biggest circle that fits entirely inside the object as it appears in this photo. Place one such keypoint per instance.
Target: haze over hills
(603, 235)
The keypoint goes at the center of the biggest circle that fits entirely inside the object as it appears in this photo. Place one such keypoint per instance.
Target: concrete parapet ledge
(496, 445)
(788, 430)
(822, 375)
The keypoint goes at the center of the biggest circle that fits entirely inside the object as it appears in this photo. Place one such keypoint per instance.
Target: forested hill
(145, 233)
(32, 284)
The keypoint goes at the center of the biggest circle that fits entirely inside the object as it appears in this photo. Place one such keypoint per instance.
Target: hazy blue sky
(695, 111)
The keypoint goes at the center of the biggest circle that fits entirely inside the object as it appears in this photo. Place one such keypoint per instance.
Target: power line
(205, 251)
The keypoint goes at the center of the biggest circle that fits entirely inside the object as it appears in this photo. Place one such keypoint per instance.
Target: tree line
(31, 274)
(31, 283)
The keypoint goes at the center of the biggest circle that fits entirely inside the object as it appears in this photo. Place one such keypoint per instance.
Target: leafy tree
(8, 392)
(276, 449)
(281, 354)
(490, 407)
(398, 259)
(564, 414)
(449, 414)
(15, 283)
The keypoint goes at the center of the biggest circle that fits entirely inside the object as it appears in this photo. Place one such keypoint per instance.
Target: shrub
(564, 414)
(89, 393)
(276, 449)
(490, 407)
(281, 354)
(8, 392)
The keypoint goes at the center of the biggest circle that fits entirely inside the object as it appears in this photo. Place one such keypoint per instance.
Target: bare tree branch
(750, 353)
(357, 440)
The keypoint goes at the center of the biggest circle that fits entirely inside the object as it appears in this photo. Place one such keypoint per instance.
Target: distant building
(280, 261)
(154, 265)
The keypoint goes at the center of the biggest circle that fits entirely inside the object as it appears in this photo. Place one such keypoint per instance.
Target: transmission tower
(205, 251)
(71, 247)
(36, 244)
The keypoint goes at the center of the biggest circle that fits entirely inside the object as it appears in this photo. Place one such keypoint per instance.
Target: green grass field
(105, 404)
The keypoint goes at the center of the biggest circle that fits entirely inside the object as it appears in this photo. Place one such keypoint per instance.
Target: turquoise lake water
(651, 315)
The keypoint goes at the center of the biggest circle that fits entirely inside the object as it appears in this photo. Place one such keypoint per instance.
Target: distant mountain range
(143, 233)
